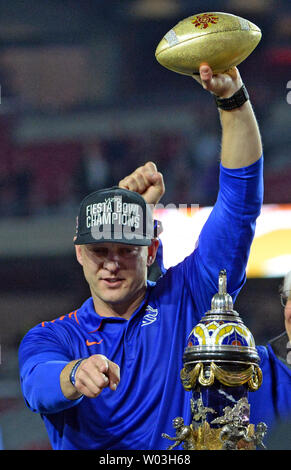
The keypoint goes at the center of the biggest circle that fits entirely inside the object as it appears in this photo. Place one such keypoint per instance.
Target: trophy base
(230, 431)
(207, 438)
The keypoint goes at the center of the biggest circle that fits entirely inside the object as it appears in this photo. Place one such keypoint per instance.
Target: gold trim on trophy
(252, 376)
(256, 380)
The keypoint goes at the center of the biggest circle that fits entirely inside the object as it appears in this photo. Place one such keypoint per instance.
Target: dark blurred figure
(21, 180)
(6, 190)
(93, 172)
(117, 150)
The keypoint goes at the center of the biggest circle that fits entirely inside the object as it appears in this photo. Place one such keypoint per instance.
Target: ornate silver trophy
(221, 367)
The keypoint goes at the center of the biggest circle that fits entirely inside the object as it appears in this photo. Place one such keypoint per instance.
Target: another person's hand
(147, 181)
(223, 85)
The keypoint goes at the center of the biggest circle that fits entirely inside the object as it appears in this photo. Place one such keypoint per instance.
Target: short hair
(287, 282)
(285, 288)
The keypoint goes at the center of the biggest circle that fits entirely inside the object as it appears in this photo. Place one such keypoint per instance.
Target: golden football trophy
(219, 39)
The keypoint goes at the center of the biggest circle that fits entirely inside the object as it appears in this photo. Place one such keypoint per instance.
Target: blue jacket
(149, 347)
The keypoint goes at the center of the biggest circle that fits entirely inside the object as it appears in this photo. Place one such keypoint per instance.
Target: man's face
(287, 312)
(115, 272)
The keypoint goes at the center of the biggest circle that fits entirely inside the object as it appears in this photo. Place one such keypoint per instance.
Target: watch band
(73, 372)
(235, 101)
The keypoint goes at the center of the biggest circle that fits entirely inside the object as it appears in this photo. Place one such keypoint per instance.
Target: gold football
(219, 39)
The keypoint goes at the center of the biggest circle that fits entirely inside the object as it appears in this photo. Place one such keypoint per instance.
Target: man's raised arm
(241, 141)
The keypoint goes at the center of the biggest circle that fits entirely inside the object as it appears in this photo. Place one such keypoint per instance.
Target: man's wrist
(67, 387)
(234, 101)
(74, 371)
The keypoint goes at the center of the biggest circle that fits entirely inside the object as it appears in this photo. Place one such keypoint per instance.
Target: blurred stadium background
(83, 102)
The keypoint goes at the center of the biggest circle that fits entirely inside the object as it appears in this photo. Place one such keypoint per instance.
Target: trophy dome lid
(221, 334)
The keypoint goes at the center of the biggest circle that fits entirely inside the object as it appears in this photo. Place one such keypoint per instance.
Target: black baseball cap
(115, 215)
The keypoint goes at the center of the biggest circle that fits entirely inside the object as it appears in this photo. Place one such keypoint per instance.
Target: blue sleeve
(42, 357)
(226, 238)
(160, 257)
(271, 403)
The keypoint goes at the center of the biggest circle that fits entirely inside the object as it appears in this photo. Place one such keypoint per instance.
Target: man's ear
(152, 251)
(79, 254)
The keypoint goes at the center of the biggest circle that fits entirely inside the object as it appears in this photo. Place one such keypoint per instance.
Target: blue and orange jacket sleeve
(42, 356)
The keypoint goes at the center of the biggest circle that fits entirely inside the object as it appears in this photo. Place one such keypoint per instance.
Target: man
(280, 358)
(285, 297)
(281, 344)
(273, 399)
(106, 376)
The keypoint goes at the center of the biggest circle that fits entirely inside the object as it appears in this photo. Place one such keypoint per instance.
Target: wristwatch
(235, 101)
